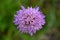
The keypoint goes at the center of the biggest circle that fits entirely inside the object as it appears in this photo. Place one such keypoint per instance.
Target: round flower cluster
(29, 20)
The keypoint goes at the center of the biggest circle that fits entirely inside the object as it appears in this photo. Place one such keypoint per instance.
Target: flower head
(29, 20)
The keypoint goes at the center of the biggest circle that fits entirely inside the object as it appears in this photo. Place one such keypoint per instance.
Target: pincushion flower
(29, 20)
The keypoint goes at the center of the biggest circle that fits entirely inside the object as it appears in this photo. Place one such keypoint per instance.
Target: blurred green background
(50, 31)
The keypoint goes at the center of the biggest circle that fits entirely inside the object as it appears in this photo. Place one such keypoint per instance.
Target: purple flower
(29, 20)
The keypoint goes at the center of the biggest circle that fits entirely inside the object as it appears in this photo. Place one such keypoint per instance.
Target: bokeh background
(50, 8)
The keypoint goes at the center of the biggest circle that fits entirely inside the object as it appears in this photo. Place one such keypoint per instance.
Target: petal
(37, 8)
(23, 7)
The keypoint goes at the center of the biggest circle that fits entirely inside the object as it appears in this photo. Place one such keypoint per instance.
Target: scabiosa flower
(29, 20)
